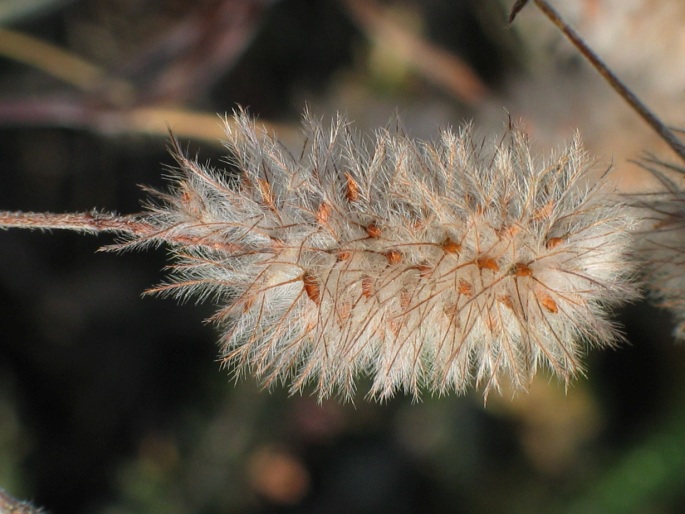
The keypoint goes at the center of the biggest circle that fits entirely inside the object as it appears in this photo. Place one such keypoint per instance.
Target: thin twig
(90, 222)
(640, 108)
(520, 4)
(94, 222)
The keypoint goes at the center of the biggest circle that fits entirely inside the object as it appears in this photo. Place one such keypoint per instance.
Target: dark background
(115, 403)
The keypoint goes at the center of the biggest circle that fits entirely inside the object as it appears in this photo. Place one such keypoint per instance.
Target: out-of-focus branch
(432, 62)
(73, 112)
(182, 63)
(58, 63)
(188, 58)
(12, 11)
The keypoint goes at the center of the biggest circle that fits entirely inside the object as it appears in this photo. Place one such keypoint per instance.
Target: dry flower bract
(415, 264)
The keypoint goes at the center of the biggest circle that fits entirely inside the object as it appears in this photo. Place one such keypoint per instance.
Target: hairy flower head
(416, 264)
(661, 245)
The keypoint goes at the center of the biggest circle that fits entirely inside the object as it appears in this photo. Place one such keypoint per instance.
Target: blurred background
(113, 403)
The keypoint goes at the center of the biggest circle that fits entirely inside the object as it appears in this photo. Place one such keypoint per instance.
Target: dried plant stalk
(655, 123)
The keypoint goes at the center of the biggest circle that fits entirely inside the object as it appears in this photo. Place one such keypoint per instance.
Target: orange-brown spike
(186, 195)
(190, 200)
(486, 262)
(373, 230)
(553, 242)
(521, 270)
(343, 255)
(505, 300)
(465, 288)
(367, 286)
(449, 246)
(393, 256)
(352, 193)
(267, 193)
(323, 213)
(311, 287)
(547, 302)
(544, 212)
(508, 231)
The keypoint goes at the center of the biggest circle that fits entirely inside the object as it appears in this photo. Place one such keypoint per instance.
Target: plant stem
(640, 108)
(91, 222)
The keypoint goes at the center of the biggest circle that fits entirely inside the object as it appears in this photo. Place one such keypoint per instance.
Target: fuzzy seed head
(661, 245)
(418, 265)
